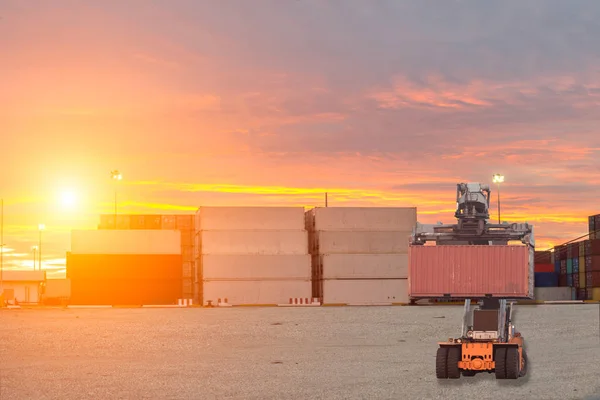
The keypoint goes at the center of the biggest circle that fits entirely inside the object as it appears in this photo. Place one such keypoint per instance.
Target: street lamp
(41, 227)
(34, 248)
(116, 176)
(498, 179)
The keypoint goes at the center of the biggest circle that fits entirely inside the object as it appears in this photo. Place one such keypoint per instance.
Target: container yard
(360, 254)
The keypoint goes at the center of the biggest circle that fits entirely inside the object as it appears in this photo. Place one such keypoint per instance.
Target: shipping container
(361, 219)
(185, 222)
(187, 269)
(124, 266)
(582, 294)
(562, 252)
(546, 279)
(365, 291)
(125, 242)
(169, 222)
(576, 280)
(57, 289)
(588, 279)
(544, 268)
(125, 292)
(187, 288)
(581, 263)
(107, 221)
(137, 222)
(594, 278)
(569, 266)
(582, 280)
(591, 226)
(256, 292)
(153, 221)
(471, 271)
(255, 267)
(250, 218)
(595, 294)
(187, 253)
(253, 242)
(570, 251)
(187, 237)
(570, 280)
(359, 242)
(553, 294)
(557, 264)
(562, 280)
(563, 267)
(592, 247)
(574, 292)
(362, 266)
(543, 257)
(576, 265)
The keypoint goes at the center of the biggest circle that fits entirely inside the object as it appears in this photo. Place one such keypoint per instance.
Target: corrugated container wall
(262, 267)
(470, 271)
(125, 242)
(361, 218)
(282, 242)
(250, 218)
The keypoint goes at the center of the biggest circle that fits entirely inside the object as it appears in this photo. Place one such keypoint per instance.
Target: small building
(22, 287)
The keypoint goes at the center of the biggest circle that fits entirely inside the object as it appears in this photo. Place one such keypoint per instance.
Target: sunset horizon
(274, 105)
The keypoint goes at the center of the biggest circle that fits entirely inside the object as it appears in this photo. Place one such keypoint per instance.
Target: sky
(269, 102)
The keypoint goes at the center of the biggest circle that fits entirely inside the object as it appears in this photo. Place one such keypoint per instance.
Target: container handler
(489, 341)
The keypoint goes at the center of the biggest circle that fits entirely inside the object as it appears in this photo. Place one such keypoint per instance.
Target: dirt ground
(281, 353)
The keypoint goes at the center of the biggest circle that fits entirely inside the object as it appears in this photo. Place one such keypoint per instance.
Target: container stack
(360, 254)
(591, 270)
(544, 270)
(580, 269)
(593, 226)
(183, 223)
(253, 255)
(124, 267)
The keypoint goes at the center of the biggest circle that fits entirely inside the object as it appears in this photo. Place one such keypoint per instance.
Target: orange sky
(274, 103)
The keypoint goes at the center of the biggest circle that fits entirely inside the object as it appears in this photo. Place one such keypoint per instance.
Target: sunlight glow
(68, 199)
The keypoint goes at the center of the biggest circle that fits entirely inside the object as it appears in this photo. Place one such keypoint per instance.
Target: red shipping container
(574, 250)
(588, 279)
(595, 278)
(544, 267)
(470, 271)
(543, 257)
(592, 247)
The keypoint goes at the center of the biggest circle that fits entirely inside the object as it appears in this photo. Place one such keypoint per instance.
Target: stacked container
(125, 267)
(253, 255)
(360, 255)
(183, 223)
(593, 225)
(544, 269)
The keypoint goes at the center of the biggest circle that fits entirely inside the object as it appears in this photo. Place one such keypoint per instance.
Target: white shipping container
(253, 242)
(552, 293)
(250, 218)
(361, 218)
(364, 266)
(371, 291)
(125, 242)
(255, 267)
(359, 242)
(256, 292)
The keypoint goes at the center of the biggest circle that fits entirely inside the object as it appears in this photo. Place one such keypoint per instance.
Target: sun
(68, 199)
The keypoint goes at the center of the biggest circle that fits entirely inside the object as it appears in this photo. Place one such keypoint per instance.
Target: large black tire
(454, 356)
(441, 363)
(513, 363)
(500, 359)
(525, 362)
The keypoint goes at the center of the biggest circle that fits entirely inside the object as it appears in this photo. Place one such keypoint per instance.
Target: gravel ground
(281, 353)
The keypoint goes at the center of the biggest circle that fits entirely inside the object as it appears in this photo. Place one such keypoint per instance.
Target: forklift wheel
(513, 363)
(500, 358)
(441, 363)
(454, 356)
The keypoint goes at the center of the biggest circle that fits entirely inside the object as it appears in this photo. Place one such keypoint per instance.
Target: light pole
(498, 179)
(41, 227)
(34, 248)
(116, 175)
(1, 252)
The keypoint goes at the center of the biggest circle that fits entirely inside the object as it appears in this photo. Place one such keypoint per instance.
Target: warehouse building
(23, 287)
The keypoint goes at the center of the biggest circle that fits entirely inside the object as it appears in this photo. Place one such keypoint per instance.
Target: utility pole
(326, 199)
